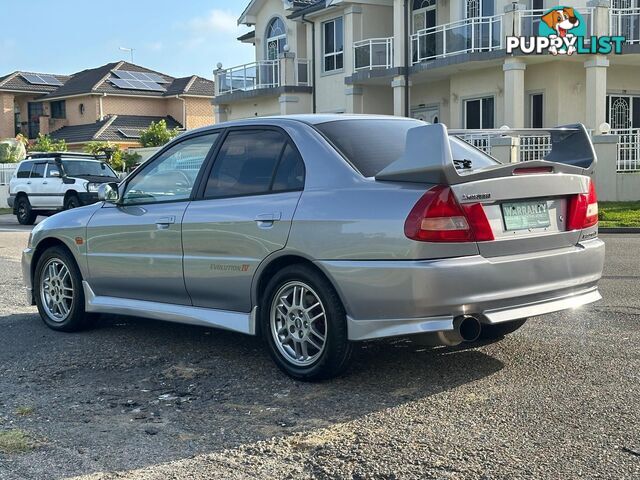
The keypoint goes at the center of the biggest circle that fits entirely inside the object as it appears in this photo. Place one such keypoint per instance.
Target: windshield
(372, 145)
(87, 168)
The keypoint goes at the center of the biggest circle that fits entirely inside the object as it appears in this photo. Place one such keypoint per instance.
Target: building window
(58, 109)
(623, 111)
(479, 113)
(333, 43)
(536, 106)
(276, 38)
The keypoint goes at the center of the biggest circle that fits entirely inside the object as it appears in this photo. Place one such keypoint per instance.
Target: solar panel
(142, 76)
(36, 79)
(137, 85)
(129, 132)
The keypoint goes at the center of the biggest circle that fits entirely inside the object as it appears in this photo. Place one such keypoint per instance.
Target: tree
(118, 159)
(157, 134)
(45, 143)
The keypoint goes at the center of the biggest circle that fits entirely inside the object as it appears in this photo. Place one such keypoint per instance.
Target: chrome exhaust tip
(468, 327)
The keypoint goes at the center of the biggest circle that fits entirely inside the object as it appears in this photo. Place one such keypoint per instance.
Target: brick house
(113, 102)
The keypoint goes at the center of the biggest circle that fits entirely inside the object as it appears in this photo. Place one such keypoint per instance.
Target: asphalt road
(134, 399)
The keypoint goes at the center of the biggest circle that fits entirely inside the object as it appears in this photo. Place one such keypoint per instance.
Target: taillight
(582, 210)
(438, 217)
(532, 170)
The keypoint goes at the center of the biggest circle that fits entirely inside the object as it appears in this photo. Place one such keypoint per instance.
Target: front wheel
(24, 213)
(499, 330)
(72, 201)
(58, 291)
(304, 324)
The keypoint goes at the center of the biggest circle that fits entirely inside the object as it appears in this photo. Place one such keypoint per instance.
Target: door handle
(164, 222)
(45, 183)
(28, 183)
(268, 217)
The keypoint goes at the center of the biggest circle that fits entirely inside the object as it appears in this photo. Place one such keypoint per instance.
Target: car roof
(309, 119)
(34, 156)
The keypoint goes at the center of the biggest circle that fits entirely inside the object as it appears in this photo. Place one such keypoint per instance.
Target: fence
(251, 76)
(373, 53)
(628, 150)
(626, 22)
(6, 172)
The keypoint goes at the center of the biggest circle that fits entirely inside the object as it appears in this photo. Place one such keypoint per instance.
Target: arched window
(621, 113)
(424, 14)
(419, 4)
(276, 38)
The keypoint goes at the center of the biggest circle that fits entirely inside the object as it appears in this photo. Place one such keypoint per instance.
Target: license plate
(525, 215)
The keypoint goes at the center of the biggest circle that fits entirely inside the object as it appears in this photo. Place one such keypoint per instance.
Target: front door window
(424, 18)
(479, 113)
(276, 38)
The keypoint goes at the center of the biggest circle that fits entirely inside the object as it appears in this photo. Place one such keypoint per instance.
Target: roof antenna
(130, 50)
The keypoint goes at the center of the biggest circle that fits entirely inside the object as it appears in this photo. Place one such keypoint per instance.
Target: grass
(619, 214)
(6, 211)
(16, 441)
(24, 411)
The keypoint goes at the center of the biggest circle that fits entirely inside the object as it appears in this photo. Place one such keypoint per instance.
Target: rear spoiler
(428, 159)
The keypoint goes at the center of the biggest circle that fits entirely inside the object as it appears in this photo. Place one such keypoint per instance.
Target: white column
(596, 91)
(354, 99)
(398, 33)
(352, 33)
(399, 98)
(514, 92)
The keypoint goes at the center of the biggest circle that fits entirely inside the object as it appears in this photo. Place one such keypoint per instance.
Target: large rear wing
(428, 159)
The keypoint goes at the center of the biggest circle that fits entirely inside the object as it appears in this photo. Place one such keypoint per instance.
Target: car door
(244, 213)
(134, 247)
(51, 190)
(35, 185)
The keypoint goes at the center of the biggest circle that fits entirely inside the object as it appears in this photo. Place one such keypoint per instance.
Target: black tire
(24, 212)
(72, 201)
(336, 354)
(77, 318)
(499, 330)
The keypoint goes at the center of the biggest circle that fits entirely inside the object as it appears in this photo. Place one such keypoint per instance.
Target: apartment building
(438, 60)
(113, 102)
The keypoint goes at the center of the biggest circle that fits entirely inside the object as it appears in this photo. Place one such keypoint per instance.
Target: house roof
(248, 16)
(15, 82)
(309, 6)
(115, 128)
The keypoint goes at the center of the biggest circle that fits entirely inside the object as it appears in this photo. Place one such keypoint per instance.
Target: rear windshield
(88, 168)
(372, 145)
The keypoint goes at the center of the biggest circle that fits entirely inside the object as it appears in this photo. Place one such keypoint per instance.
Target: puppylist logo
(563, 31)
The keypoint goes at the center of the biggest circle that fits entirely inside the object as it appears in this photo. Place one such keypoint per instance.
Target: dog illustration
(562, 21)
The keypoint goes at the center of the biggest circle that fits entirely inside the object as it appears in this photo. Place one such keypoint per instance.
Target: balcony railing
(530, 21)
(373, 53)
(478, 34)
(626, 22)
(251, 76)
(628, 159)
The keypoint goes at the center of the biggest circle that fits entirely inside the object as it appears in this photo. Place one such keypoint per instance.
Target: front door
(244, 213)
(423, 20)
(134, 248)
(35, 111)
(52, 191)
(35, 182)
(429, 113)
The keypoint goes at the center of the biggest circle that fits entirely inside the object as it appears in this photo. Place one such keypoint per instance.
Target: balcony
(263, 74)
(471, 35)
(626, 22)
(373, 53)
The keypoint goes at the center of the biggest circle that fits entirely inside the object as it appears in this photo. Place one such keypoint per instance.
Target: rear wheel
(304, 324)
(72, 201)
(58, 291)
(491, 332)
(24, 213)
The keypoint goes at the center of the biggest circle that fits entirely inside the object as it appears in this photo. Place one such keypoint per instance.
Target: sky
(179, 38)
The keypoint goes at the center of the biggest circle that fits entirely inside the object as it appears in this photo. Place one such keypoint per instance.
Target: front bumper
(88, 198)
(392, 298)
(11, 199)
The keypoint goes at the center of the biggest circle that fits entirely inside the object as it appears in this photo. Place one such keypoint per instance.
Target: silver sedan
(317, 232)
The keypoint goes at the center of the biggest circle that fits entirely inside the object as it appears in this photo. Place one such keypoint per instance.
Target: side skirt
(205, 317)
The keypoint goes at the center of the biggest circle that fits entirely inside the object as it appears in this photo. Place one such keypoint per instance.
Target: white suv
(46, 183)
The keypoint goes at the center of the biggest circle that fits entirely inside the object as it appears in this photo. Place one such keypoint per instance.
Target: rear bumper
(391, 298)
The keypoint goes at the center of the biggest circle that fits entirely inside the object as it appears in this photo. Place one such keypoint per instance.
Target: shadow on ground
(132, 393)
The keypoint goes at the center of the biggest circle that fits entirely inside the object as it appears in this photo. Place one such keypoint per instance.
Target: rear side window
(24, 170)
(372, 145)
(253, 162)
(38, 170)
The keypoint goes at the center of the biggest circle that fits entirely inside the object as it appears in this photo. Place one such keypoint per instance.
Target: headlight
(92, 187)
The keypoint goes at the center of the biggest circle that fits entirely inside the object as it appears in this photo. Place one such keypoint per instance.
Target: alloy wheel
(298, 323)
(56, 290)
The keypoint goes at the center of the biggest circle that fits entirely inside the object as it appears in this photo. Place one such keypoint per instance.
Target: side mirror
(108, 192)
(55, 173)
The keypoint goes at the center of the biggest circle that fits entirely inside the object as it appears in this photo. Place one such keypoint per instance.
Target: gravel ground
(134, 399)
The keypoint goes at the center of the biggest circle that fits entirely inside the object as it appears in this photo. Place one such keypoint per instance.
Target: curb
(619, 230)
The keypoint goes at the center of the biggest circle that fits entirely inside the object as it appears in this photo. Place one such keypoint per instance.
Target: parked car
(321, 231)
(46, 183)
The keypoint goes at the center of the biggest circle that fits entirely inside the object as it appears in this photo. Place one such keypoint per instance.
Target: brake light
(438, 217)
(532, 170)
(582, 210)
